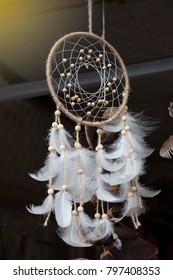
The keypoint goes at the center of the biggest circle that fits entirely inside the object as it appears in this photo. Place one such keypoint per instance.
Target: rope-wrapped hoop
(69, 59)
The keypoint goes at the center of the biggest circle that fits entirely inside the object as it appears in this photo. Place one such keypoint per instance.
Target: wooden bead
(80, 209)
(74, 213)
(64, 188)
(51, 148)
(57, 113)
(62, 147)
(130, 194)
(133, 188)
(99, 147)
(131, 151)
(100, 131)
(97, 216)
(55, 125)
(127, 128)
(104, 216)
(124, 118)
(50, 191)
(77, 127)
(60, 126)
(80, 171)
(123, 132)
(77, 145)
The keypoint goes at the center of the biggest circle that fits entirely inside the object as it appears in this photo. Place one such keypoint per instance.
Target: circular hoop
(66, 59)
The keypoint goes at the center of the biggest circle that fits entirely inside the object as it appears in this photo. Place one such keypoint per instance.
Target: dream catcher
(107, 171)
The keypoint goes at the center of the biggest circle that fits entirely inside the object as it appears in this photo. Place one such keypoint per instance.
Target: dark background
(141, 30)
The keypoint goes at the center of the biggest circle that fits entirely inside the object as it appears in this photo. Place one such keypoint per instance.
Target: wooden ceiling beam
(39, 88)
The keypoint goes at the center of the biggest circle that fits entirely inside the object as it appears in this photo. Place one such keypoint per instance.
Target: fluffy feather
(170, 109)
(117, 244)
(57, 137)
(126, 142)
(102, 157)
(46, 207)
(115, 126)
(139, 145)
(103, 228)
(86, 223)
(133, 167)
(138, 123)
(44, 173)
(88, 189)
(130, 204)
(166, 150)
(86, 159)
(63, 208)
(72, 236)
(103, 193)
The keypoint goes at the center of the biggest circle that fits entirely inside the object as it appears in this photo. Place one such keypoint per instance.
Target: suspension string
(103, 19)
(90, 15)
(102, 207)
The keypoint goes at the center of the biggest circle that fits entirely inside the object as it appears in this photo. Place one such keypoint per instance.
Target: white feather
(55, 139)
(119, 148)
(115, 126)
(145, 191)
(139, 145)
(131, 203)
(72, 236)
(44, 173)
(87, 190)
(58, 137)
(132, 168)
(83, 158)
(103, 193)
(63, 208)
(138, 123)
(102, 157)
(87, 224)
(103, 228)
(117, 244)
(46, 207)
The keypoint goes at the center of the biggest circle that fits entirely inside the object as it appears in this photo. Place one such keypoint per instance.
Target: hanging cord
(90, 15)
(103, 19)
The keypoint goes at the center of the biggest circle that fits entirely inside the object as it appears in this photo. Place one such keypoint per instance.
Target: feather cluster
(75, 174)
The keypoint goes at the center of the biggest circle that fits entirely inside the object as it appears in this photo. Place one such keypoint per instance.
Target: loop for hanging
(90, 16)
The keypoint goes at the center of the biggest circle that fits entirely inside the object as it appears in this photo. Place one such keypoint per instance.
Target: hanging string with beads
(80, 170)
(99, 170)
(51, 150)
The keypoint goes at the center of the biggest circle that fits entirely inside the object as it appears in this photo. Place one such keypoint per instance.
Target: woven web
(79, 61)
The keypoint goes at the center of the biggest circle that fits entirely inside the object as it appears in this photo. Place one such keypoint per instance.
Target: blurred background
(141, 31)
